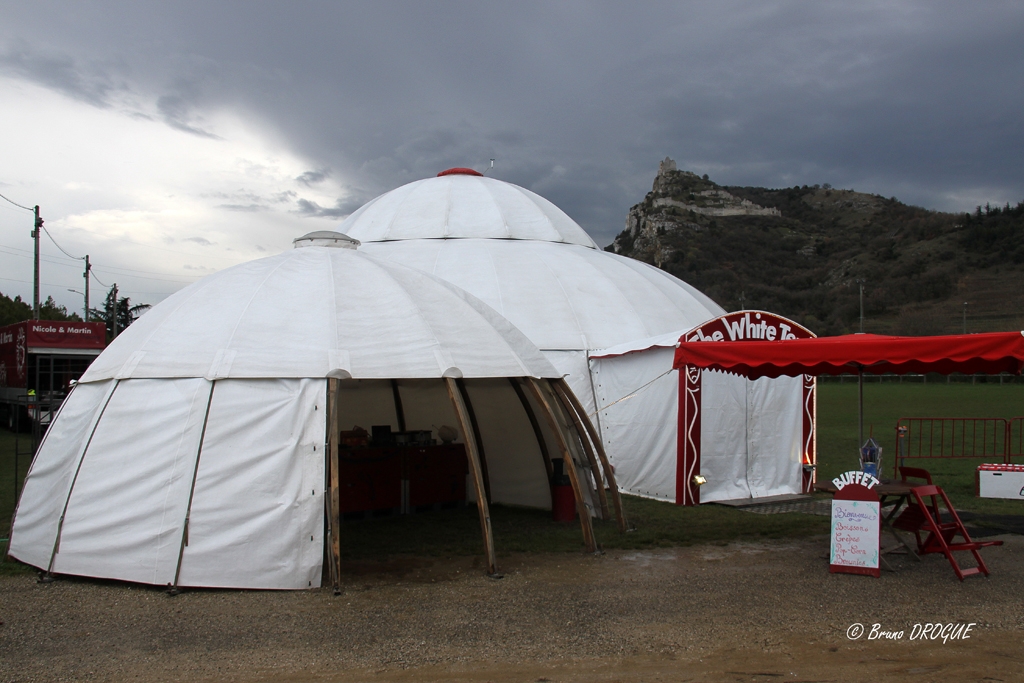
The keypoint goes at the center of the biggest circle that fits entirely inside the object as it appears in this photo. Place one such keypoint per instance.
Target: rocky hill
(803, 252)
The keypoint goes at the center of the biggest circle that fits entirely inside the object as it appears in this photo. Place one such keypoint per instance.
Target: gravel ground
(738, 612)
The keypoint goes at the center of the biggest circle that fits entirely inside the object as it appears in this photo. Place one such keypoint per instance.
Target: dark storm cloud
(59, 72)
(341, 209)
(177, 112)
(577, 101)
(311, 178)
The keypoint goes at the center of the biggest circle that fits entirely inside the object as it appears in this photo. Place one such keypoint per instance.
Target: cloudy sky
(170, 140)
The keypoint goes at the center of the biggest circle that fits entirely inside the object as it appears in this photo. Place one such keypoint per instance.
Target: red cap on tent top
(459, 171)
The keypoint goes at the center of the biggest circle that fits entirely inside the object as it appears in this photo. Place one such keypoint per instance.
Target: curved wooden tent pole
(570, 464)
(478, 478)
(595, 437)
(588, 449)
(334, 481)
(537, 433)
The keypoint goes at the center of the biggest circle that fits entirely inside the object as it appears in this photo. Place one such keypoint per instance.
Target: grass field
(885, 403)
(658, 524)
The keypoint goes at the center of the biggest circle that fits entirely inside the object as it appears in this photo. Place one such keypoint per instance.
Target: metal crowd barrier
(958, 437)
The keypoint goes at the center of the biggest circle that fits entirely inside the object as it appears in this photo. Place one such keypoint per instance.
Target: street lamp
(86, 307)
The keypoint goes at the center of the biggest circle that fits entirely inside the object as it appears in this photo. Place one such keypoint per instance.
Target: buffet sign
(856, 525)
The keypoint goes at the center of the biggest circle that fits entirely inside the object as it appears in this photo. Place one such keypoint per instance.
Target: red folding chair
(941, 535)
(910, 518)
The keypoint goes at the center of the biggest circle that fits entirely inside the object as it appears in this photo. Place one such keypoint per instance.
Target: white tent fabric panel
(774, 432)
(306, 313)
(258, 510)
(638, 423)
(49, 479)
(515, 465)
(130, 498)
(462, 206)
(575, 368)
(723, 430)
(562, 296)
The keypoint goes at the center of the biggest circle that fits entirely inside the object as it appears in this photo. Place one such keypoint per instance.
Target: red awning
(988, 353)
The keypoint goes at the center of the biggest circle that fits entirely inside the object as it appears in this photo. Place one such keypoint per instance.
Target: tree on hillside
(15, 310)
(126, 313)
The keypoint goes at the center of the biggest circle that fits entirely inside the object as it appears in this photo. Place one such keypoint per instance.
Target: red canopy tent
(988, 353)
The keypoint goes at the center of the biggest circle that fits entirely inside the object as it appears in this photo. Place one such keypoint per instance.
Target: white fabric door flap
(132, 490)
(723, 435)
(257, 514)
(774, 430)
(49, 478)
(639, 423)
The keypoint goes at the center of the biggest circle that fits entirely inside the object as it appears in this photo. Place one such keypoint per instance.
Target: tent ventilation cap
(459, 171)
(326, 238)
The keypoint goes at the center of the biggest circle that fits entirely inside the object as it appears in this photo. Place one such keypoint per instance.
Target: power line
(143, 277)
(29, 253)
(55, 260)
(92, 272)
(62, 261)
(77, 258)
(17, 204)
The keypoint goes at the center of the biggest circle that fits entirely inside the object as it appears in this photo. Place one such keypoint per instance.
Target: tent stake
(333, 467)
(595, 438)
(570, 464)
(478, 478)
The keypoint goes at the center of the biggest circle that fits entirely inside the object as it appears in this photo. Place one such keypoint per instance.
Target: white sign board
(856, 528)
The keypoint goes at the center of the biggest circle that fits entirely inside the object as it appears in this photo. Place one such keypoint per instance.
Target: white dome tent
(528, 260)
(200, 448)
(533, 264)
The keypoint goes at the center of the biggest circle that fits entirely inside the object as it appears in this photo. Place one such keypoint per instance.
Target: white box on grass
(1001, 481)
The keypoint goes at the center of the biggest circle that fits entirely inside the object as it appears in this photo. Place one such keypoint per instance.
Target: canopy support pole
(478, 478)
(333, 469)
(860, 406)
(595, 437)
(570, 464)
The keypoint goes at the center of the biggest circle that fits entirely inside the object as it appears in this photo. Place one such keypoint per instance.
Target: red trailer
(38, 361)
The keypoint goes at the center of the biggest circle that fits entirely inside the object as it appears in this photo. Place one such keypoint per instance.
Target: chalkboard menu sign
(856, 525)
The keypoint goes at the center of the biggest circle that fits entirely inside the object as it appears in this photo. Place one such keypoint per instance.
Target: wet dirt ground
(738, 612)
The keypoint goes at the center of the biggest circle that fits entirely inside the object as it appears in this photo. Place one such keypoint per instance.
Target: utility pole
(88, 267)
(35, 279)
(115, 311)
